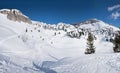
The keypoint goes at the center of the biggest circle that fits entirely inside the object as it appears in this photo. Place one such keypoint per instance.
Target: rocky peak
(16, 15)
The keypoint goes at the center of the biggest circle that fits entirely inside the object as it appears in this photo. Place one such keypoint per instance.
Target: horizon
(72, 11)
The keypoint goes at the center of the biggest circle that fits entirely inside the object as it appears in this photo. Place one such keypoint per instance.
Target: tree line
(90, 43)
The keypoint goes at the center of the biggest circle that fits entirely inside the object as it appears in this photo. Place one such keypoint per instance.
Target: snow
(5, 10)
(45, 52)
(92, 64)
(98, 26)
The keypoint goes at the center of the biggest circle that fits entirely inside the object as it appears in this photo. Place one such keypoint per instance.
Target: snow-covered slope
(45, 48)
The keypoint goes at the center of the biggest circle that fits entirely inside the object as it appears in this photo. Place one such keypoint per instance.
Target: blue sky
(68, 11)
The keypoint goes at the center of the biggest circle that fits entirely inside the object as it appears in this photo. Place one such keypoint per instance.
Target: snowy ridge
(57, 48)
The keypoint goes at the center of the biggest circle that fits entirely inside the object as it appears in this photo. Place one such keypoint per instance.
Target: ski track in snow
(8, 28)
(8, 38)
(46, 70)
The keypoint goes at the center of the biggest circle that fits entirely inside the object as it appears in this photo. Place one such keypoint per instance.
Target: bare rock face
(16, 15)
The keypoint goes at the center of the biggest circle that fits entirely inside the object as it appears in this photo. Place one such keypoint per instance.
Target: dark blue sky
(68, 11)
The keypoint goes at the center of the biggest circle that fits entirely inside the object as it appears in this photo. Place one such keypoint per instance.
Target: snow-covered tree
(90, 44)
(116, 42)
(75, 34)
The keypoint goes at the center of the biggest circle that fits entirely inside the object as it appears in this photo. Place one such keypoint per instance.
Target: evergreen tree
(116, 42)
(59, 33)
(55, 34)
(38, 30)
(90, 44)
(26, 30)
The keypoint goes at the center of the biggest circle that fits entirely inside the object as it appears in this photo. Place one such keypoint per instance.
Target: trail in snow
(5, 39)
(8, 28)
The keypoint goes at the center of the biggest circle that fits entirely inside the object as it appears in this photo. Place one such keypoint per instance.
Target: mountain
(95, 25)
(15, 15)
(36, 47)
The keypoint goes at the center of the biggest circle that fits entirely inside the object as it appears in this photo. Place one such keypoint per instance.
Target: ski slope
(44, 52)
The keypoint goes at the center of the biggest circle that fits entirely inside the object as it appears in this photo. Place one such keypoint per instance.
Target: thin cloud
(114, 7)
(115, 11)
(115, 15)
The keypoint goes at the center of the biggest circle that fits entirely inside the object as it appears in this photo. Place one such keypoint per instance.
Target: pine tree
(55, 34)
(116, 42)
(38, 30)
(26, 30)
(59, 33)
(90, 44)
